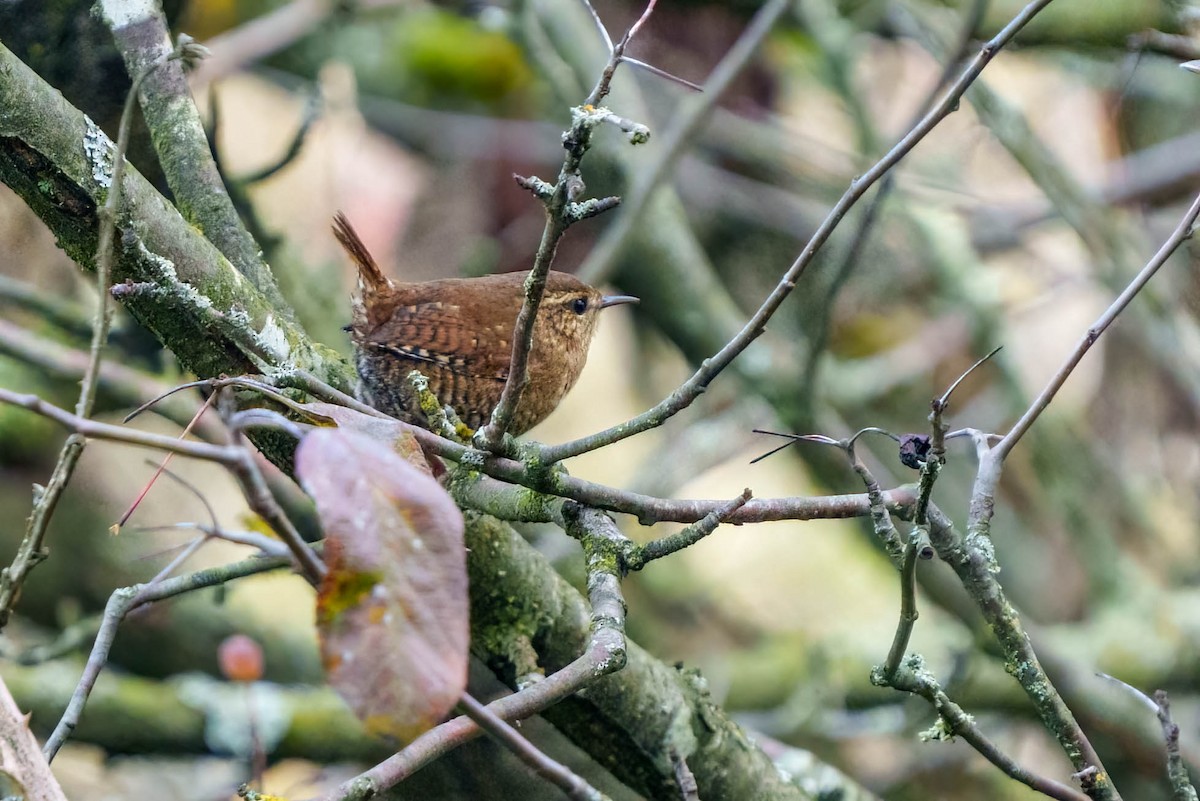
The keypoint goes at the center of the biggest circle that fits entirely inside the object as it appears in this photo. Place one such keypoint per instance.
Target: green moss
(505, 616)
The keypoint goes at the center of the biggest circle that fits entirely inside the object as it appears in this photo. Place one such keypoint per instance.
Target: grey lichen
(940, 731)
(100, 152)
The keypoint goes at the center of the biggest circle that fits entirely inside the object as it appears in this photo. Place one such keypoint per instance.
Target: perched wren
(458, 333)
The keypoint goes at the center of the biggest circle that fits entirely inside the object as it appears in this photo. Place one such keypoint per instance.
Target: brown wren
(458, 333)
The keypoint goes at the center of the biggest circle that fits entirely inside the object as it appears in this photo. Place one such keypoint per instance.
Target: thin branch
(973, 559)
(554, 772)
(488, 494)
(943, 401)
(691, 389)
(129, 436)
(608, 43)
(641, 555)
(1181, 234)
(1177, 772)
(162, 468)
(559, 216)
(653, 70)
(954, 722)
(239, 457)
(908, 612)
(263, 503)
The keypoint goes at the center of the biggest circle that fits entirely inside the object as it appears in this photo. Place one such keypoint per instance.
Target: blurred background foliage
(1015, 223)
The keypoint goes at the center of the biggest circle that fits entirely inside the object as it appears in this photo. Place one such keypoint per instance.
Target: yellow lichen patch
(343, 590)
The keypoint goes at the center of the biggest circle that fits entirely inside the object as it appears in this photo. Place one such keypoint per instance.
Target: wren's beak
(616, 300)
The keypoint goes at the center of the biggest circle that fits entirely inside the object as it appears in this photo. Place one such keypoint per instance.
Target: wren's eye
(579, 305)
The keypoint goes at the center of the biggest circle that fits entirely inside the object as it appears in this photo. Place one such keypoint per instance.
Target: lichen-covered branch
(141, 35)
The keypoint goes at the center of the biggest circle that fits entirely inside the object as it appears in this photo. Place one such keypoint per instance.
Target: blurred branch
(67, 315)
(118, 384)
(1155, 175)
(1174, 45)
(161, 717)
(870, 215)
(120, 604)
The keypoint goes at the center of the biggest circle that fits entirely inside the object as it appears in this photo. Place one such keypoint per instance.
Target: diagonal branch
(691, 389)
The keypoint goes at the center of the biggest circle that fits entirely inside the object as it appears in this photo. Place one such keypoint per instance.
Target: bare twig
(130, 436)
(561, 211)
(162, 467)
(641, 555)
(1181, 234)
(608, 44)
